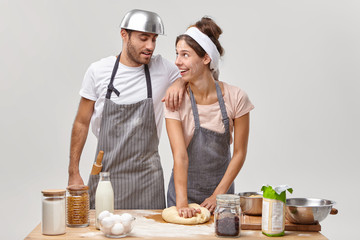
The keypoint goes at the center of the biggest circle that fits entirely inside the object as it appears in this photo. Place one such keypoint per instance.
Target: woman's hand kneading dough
(172, 215)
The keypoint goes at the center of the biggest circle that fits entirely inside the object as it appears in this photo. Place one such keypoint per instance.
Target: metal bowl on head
(143, 21)
(308, 210)
(251, 203)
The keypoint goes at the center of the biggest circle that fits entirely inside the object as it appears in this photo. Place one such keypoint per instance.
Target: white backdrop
(297, 60)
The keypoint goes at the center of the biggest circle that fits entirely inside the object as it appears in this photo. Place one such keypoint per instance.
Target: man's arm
(78, 138)
(174, 95)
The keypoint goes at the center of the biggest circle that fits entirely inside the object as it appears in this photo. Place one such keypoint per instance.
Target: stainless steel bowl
(143, 21)
(251, 205)
(308, 210)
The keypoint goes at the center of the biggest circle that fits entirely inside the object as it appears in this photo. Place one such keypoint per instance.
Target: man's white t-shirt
(130, 82)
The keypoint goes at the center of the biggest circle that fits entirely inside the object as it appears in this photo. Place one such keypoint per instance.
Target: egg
(117, 229)
(103, 215)
(107, 222)
(127, 226)
(105, 230)
(116, 218)
(126, 217)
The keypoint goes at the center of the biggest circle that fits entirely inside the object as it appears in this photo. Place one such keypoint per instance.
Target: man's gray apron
(209, 156)
(128, 137)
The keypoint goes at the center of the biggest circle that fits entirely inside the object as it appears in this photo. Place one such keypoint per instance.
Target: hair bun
(209, 27)
(212, 30)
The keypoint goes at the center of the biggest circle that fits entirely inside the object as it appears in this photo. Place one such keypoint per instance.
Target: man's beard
(134, 56)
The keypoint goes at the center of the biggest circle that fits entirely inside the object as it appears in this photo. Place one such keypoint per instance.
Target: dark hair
(207, 26)
(129, 32)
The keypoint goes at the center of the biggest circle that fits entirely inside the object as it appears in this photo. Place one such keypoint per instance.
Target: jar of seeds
(77, 206)
(227, 215)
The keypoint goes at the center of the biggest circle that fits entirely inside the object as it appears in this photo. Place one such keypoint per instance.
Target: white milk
(104, 199)
(53, 216)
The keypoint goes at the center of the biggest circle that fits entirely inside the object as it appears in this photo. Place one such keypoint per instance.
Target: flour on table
(144, 227)
(143, 212)
(91, 234)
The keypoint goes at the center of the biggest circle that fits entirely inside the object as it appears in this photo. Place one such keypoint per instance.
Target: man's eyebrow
(147, 34)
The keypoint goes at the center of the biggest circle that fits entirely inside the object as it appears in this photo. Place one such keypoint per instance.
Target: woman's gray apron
(128, 137)
(209, 156)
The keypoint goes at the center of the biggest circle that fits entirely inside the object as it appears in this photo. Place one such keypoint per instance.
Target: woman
(200, 132)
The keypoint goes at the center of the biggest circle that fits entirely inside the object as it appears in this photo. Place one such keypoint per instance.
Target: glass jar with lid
(53, 212)
(77, 204)
(227, 215)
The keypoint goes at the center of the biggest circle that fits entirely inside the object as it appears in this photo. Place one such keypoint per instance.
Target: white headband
(205, 42)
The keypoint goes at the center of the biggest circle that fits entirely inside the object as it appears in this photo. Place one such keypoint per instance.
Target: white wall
(297, 60)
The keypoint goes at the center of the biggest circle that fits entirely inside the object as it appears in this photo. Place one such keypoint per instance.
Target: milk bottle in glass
(104, 196)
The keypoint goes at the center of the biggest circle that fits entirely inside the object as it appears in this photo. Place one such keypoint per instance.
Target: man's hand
(75, 179)
(209, 203)
(174, 95)
(78, 137)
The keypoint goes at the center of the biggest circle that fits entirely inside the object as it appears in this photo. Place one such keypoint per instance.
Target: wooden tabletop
(150, 225)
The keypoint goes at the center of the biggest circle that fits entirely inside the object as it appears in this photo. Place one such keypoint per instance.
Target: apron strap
(111, 87)
(194, 109)
(224, 115)
(148, 81)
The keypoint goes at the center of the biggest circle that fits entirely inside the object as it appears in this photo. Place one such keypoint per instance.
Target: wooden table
(149, 225)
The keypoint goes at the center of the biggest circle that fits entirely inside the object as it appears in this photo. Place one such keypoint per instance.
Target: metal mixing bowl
(308, 210)
(143, 21)
(251, 205)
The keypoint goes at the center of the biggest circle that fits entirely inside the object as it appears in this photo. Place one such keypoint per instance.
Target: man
(122, 98)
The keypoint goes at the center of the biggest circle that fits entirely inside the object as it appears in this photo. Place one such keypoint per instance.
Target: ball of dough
(171, 215)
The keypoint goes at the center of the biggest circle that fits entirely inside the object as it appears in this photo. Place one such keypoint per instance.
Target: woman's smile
(188, 62)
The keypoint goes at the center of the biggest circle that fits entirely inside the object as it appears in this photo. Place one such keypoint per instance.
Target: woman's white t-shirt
(130, 82)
